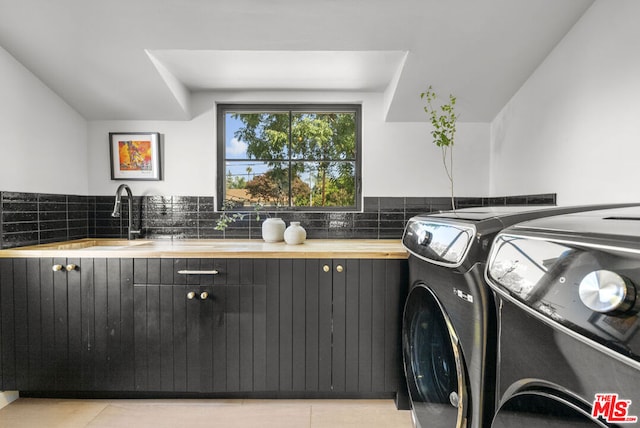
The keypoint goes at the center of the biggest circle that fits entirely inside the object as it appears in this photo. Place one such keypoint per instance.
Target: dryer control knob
(605, 291)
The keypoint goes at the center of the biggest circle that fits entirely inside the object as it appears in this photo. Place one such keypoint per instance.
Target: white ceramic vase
(295, 234)
(273, 230)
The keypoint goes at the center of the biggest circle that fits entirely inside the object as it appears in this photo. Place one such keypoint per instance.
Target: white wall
(188, 157)
(574, 127)
(47, 147)
(398, 158)
(43, 141)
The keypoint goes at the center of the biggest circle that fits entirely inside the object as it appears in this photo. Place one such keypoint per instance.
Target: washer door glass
(433, 363)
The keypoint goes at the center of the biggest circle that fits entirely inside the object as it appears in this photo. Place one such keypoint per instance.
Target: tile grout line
(95, 417)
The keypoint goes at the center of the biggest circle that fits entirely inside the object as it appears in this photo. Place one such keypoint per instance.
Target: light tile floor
(59, 413)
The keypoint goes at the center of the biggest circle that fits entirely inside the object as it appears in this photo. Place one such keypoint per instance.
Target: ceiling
(144, 59)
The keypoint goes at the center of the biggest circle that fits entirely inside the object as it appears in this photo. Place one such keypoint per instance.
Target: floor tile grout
(106, 405)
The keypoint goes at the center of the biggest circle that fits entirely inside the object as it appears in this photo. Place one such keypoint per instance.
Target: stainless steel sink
(99, 244)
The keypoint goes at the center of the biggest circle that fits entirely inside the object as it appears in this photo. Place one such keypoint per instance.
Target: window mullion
(289, 158)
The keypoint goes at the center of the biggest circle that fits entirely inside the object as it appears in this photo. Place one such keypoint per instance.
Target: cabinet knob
(57, 268)
(326, 268)
(204, 295)
(71, 267)
(339, 268)
(191, 295)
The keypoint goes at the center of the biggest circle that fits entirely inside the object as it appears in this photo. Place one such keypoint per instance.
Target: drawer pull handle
(198, 272)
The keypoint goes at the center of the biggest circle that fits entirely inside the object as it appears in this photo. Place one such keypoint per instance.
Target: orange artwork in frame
(135, 155)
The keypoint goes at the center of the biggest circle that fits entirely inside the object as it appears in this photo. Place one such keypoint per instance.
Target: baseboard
(7, 397)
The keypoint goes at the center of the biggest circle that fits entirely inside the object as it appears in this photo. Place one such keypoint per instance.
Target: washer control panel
(590, 290)
(438, 242)
(607, 292)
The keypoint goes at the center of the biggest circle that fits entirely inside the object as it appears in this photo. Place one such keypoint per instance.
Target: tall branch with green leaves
(443, 123)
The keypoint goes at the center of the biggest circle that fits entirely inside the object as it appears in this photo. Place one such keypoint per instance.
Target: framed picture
(135, 155)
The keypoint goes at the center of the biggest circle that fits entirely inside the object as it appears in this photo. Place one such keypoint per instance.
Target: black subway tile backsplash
(497, 201)
(371, 204)
(391, 204)
(35, 218)
(32, 218)
(544, 199)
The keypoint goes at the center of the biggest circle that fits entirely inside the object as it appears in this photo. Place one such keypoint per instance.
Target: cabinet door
(77, 326)
(368, 296)
(199, 323)
(114, 355)
(296, 308)
(7, 326)
(215, 343)
(160, 325)
(53, 334)
(149, 304)
(298, 326)
(240, 326)
(48, 316)
(334, 325)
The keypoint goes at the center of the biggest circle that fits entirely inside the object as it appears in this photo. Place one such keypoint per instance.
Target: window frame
(223, 109)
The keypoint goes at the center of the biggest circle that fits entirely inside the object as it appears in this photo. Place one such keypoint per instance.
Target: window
(291, 156)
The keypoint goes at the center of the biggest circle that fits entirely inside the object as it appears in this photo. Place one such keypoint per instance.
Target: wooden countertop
(215, 248)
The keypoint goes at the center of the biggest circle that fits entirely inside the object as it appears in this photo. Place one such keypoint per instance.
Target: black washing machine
(449, 320)
(568, 309)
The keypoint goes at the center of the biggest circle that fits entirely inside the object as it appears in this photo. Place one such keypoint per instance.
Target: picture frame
(135, 156)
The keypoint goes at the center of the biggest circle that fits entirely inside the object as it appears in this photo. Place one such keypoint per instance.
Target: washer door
(434, 367)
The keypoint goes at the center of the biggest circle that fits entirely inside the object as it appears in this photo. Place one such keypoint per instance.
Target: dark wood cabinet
(339, 325)
(368, 297)
(200, 343)
(264, 327)
(7, 327)
(66, 324)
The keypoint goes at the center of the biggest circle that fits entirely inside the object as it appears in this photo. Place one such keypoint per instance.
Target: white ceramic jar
(295, 234)
(273, 230)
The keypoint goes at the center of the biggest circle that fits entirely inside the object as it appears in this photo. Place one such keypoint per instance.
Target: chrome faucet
(116, 209)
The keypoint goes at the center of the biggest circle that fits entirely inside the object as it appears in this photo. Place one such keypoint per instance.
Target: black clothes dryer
(568, 309)
(449, 321)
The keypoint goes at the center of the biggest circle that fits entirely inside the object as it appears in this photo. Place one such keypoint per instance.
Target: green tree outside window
(301, 158)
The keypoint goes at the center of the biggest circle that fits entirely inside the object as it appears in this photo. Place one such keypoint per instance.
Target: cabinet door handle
(198, 272)
(339, 268)
(57, 268)
(204, 295)
(191, 295)
(71, 267)
(326, 268)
